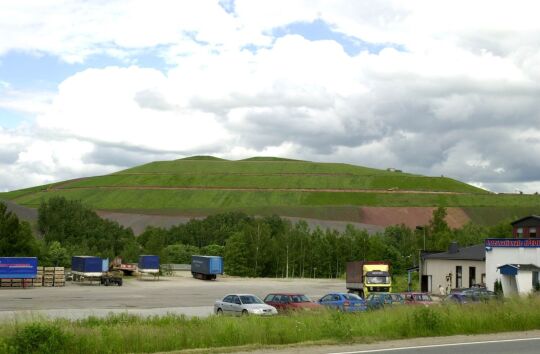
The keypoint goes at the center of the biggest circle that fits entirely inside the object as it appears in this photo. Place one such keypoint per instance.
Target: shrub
(39, 337)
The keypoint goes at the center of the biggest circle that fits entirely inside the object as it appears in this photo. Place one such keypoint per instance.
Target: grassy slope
(275, 173)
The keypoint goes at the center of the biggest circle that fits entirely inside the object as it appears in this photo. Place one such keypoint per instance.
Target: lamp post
(423, 228)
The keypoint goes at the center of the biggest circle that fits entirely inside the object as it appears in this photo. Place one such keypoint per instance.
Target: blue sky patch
(320, 30)
(10, 119)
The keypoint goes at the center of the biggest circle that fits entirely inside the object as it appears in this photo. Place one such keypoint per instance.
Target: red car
(418, 299)
(290, 302)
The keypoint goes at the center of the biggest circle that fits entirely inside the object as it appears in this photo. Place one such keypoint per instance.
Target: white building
(515, 262)
(456, 268)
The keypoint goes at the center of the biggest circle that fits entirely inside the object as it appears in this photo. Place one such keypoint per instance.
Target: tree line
(251, 246)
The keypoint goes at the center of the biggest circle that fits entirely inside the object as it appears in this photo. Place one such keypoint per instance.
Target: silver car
(243, 305)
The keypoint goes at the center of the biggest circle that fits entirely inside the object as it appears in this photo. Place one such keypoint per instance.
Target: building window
(532, 232)
(458, 277)
(520, 232)
(535, 281)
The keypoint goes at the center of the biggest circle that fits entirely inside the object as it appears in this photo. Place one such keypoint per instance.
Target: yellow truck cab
(368, 277)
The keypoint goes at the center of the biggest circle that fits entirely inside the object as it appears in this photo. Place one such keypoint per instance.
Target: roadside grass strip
(132, 334)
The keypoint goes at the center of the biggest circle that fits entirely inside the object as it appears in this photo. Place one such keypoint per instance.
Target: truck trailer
(86, 267)
(364, 277)
(206, 267)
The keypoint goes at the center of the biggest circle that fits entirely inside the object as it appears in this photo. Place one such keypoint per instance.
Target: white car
(243, 305)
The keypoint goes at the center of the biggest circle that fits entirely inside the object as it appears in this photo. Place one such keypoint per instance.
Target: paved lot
(181, 295)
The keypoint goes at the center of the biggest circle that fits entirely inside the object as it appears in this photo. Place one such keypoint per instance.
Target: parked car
(290, 302)
(457, 298)
(243, 305)
(476, 293)
(418, 299)
(343, 302)
(378, 300)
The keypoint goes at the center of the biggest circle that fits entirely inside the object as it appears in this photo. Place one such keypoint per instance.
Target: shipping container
(149, 264)
(18, 267)
(89, 265)
(206, 267)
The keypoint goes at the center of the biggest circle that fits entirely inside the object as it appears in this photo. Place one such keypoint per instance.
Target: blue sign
(512, 242)
(18, 267)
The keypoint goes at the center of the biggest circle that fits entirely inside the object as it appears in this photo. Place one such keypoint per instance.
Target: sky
(430, 87)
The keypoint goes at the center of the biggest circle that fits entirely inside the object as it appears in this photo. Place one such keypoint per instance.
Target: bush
(43, 338)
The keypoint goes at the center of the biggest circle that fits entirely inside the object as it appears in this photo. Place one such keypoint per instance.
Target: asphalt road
(179, 295)
(499, 343)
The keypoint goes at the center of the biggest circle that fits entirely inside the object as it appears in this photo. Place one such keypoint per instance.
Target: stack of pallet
(38, 280)
(15, 283)
(48, 276)
(59, 276)
(54, 276)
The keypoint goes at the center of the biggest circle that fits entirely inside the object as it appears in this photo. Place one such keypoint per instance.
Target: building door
(472, 276)
(459, 276)
(425, 287)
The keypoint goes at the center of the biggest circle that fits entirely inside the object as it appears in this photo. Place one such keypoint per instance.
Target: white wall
(440, 268)
(499, 256)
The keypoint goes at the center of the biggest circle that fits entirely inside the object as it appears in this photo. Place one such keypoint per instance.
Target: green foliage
(80, 230)
(16, 237)
(39, 337)
(131, 334)
(56, 255)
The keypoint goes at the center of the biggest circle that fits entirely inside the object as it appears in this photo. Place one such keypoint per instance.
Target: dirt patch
(410, 216)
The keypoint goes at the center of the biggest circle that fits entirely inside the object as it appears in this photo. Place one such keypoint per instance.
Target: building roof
(471, 253)
(536, 217)
(513, 269)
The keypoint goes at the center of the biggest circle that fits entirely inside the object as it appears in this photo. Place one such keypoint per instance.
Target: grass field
(126, 199)
(281, 186)
(129, 334)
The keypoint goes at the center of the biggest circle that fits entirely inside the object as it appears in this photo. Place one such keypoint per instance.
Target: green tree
(236, 256)
(57, 255)
(16, 237)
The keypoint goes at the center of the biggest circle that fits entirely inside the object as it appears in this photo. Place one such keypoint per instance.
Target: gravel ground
(181, 295)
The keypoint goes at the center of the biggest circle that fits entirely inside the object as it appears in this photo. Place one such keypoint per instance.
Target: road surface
(499, 343)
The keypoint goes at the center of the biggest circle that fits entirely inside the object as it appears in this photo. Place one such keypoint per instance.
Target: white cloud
(459, 100)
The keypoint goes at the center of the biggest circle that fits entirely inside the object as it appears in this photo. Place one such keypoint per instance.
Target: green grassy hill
(205, 184)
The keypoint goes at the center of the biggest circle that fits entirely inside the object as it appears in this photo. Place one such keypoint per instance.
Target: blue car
(343, 302)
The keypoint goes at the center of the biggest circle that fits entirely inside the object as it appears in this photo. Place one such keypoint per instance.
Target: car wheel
(245, 312)
(219, 312)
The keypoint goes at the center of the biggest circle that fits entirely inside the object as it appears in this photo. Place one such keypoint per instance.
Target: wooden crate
(49, 269)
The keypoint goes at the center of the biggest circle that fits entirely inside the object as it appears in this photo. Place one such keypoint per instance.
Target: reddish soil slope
(410, 216)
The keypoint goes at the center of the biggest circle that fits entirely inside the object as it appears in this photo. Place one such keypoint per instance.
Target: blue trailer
(86, 267)
(18, 267)
(206, 267)
(149, 264)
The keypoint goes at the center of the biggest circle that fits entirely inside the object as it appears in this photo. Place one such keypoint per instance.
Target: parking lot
(180, 295)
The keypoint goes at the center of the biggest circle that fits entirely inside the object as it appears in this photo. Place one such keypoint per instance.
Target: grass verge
(125, 334)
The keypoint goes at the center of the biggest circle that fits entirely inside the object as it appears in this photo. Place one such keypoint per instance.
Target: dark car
(476, 293)
(377, 300)
(457, 298)
(290, 302)
(343, 302)
(418, 299)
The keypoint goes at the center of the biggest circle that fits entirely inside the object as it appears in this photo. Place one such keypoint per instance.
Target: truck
(86, 267)
(364, 277)
(94, 268)
(206, 267)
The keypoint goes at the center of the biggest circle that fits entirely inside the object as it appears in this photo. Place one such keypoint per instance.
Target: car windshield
(396, 297)
(352, 297)
(299, 298)
(377, 280)
(250, 299)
